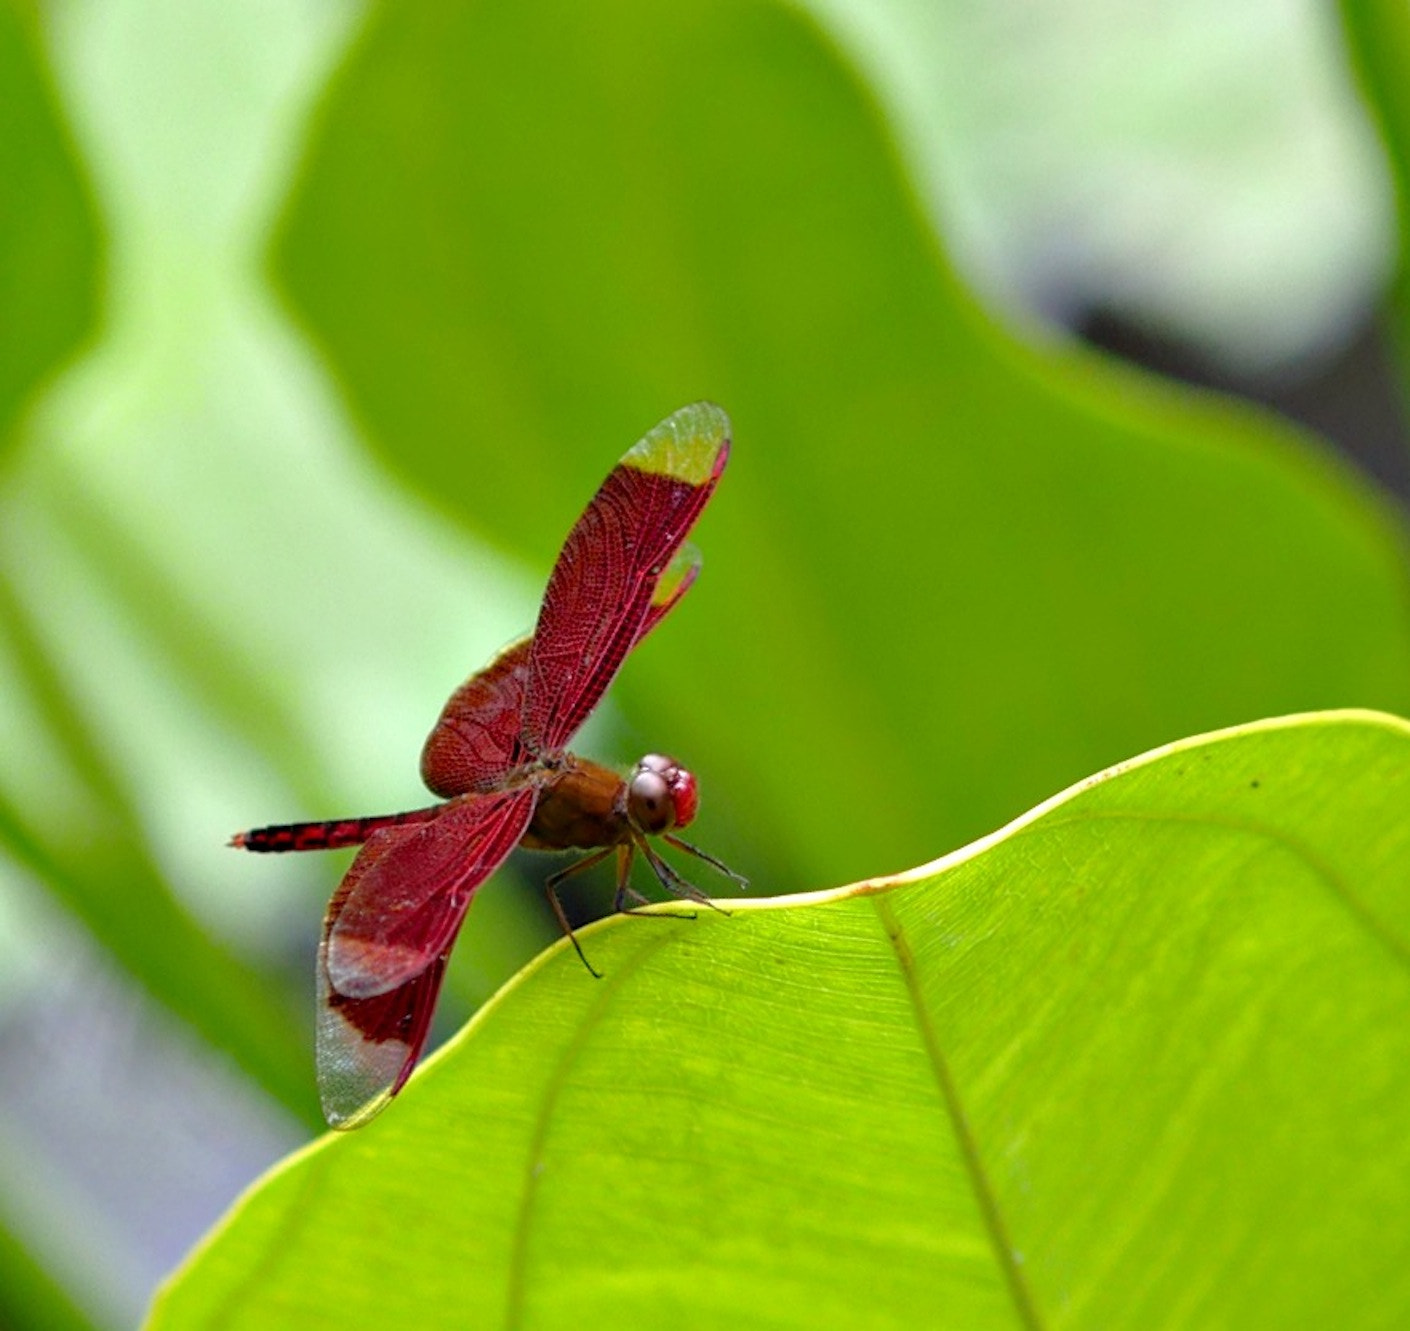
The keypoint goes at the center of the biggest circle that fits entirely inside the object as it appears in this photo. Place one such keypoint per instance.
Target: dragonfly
(498, 759)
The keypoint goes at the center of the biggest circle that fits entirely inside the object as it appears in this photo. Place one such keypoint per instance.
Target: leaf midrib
(979, 1180)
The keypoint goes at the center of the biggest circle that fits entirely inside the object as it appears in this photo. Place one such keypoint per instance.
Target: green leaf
(1140, 1059)
(29, 1295)
(1378, 36)
(48, 249)
(516, 275)
(95, 863)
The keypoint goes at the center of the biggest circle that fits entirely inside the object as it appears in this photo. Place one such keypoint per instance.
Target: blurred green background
(320, 322)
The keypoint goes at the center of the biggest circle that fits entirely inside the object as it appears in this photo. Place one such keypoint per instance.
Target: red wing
(388, 932)
(367, 1047)
(603, 595)
(402, 900)
(476, 741)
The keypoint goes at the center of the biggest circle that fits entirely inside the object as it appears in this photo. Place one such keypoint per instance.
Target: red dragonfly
(498, 759)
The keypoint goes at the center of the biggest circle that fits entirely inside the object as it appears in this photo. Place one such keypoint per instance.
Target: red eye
(685, 797)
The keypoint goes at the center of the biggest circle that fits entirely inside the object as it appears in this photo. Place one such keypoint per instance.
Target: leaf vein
(983, 1191)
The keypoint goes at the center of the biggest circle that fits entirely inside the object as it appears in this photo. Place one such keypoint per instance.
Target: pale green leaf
(1140, 1060)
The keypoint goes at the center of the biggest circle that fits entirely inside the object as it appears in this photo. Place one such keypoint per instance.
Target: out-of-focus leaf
(99, 869)
(1201, 171)
(121, 898)
(48, 248)
(516, 275)
(29, 1296)
(1378, 35)
(1142, 1059)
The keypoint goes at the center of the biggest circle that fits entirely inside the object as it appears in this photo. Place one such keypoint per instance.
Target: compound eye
(649, 801)
(685, 797)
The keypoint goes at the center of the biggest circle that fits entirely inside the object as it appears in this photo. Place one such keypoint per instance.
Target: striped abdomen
(327, 836)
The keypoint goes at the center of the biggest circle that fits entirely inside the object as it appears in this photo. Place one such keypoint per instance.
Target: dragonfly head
(661, 794)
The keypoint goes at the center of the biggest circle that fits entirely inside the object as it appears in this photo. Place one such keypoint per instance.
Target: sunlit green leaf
(1140, 1060)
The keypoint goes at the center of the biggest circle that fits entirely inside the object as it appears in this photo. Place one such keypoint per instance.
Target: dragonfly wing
(678, 578)
(367, 1047)
(402, 900)
(389, 930)
(620, 571)
(477, 739)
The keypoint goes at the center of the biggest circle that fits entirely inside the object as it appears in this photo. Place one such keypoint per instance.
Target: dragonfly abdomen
(326, 835)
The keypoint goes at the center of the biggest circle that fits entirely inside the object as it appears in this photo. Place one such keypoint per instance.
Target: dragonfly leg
(672, 881)
(626, 892)
(550, 887)
(671, 839)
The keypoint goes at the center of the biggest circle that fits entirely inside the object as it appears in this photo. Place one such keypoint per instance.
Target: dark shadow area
(1350, 397)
